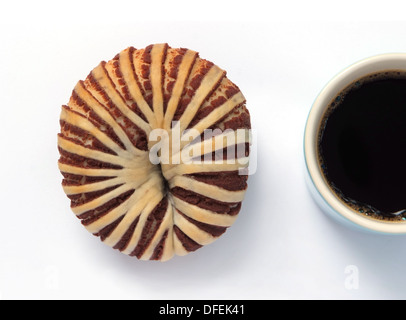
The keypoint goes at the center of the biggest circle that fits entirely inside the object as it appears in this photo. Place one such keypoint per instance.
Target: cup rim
(351, 73)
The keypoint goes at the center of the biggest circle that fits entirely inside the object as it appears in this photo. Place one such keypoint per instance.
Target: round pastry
(153, 151)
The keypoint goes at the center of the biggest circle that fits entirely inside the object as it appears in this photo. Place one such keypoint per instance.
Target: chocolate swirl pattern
(154, 211)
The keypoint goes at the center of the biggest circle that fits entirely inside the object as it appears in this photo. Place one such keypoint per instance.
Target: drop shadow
(225, 256)
(383, 254)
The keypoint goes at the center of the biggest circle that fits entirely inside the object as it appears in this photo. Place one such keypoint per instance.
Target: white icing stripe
(210, 79)
(183, 73)
(128, 219)
(226, 139)
(100, 76)
(194, 167)
(90, 153)
(178, 246)
(93, 204)
(91, 187)
(133, 88)
(166, 223)
(78, 121)
(91, 172)
(207, 190)
(112, 216)
(157, 59)
(139, 200)
(105, 115)
(218, 113)
(152, 201)
(168, 249)
(203, 215)
(192, 231)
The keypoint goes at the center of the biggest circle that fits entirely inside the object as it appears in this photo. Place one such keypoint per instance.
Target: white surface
(282, 246)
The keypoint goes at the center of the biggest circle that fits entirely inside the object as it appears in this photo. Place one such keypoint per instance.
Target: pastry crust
(155, 211)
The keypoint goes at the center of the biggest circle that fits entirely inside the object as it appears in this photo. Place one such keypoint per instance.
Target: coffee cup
(326, 196)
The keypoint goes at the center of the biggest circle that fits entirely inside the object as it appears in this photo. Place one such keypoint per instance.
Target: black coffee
(362, 145)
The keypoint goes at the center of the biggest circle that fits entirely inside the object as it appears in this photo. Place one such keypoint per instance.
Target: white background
(280, 55)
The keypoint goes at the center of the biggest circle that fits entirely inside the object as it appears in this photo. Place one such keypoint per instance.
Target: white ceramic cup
(317, 184)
